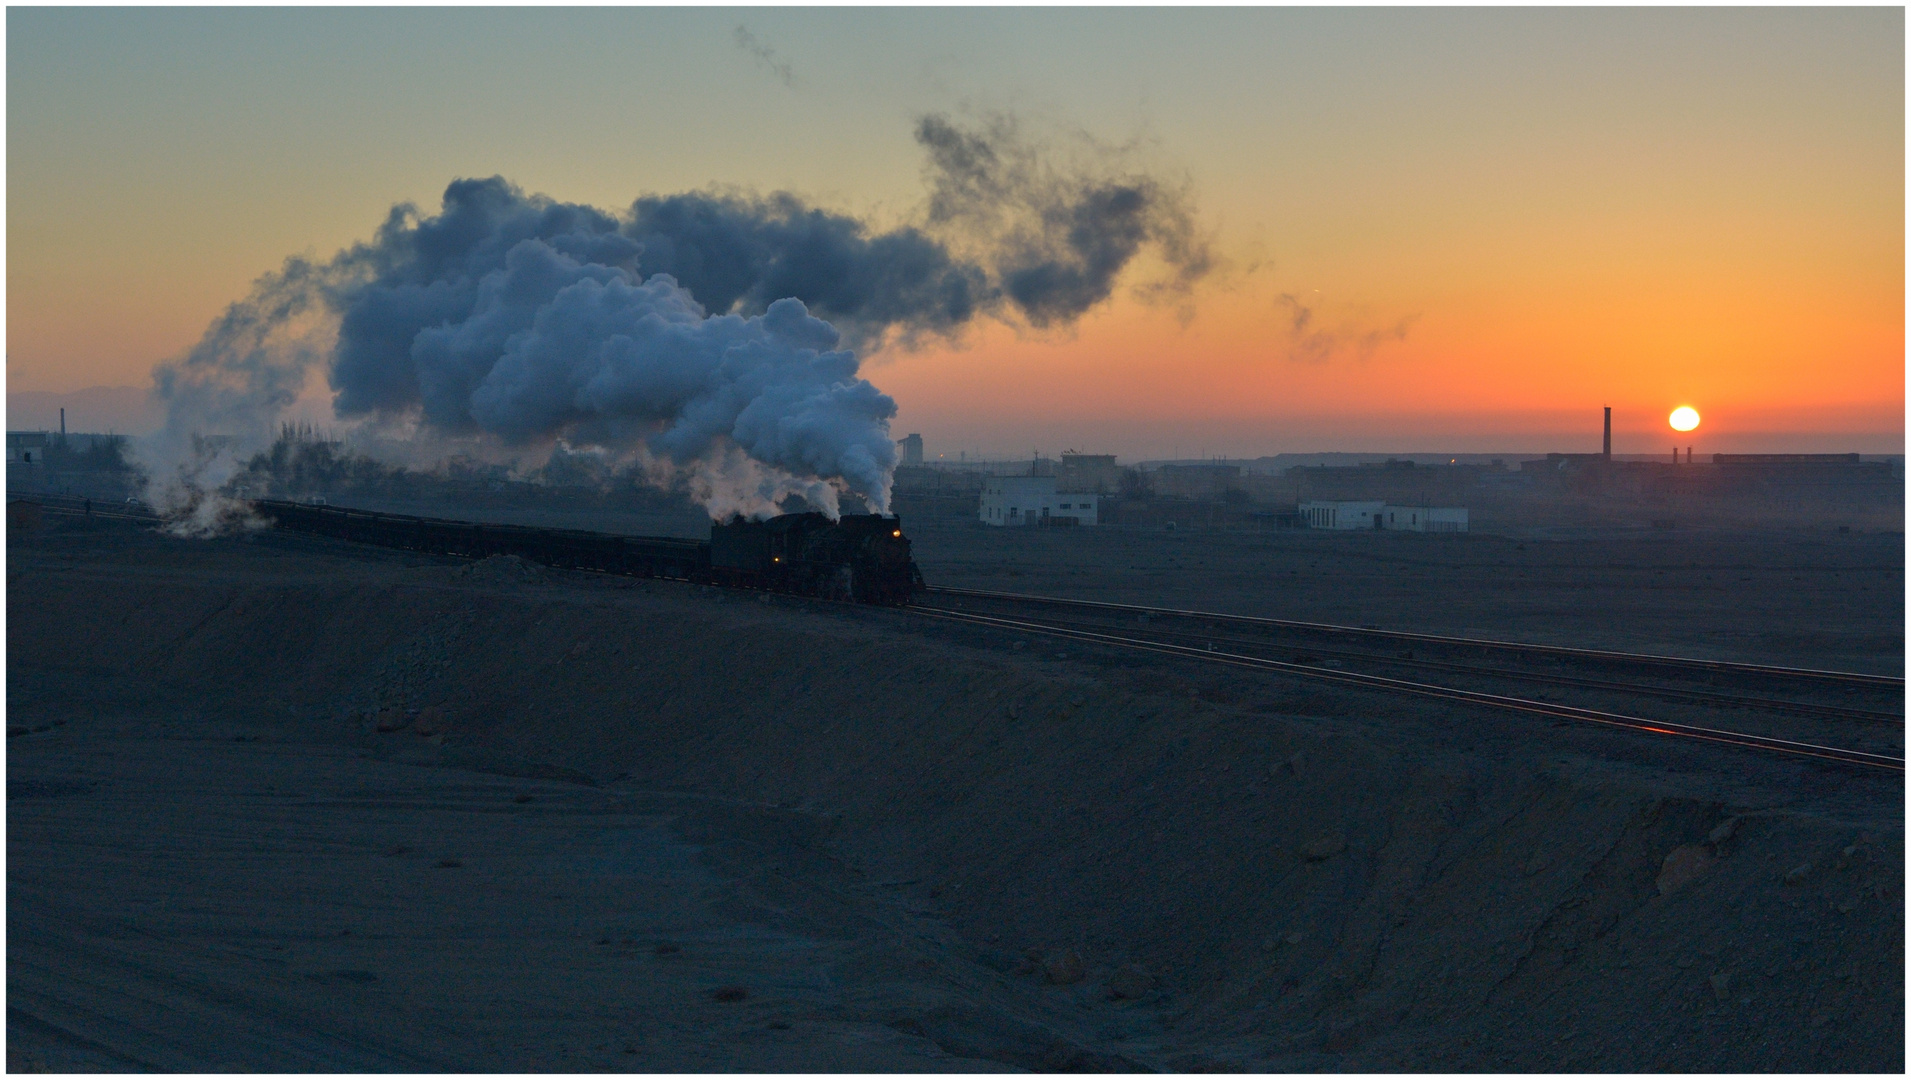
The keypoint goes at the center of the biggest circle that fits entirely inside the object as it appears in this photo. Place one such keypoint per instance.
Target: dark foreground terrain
(618, 825)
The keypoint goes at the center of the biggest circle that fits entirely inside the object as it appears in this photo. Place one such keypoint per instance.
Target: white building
(1379, 515)
(26, 447)
(1033, 500)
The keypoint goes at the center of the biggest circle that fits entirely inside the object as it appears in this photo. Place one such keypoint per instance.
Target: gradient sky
(1500, 220)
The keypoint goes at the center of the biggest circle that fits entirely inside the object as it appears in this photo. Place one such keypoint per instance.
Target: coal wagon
(859, 557)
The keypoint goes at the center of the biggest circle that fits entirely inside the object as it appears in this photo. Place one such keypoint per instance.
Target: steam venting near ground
(708, 341)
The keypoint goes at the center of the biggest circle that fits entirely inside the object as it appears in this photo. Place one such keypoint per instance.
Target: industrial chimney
(1607, 452)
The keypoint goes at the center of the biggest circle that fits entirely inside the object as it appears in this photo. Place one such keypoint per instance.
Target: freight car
(860, 557)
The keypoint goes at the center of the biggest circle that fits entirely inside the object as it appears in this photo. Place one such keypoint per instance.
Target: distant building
(1437, 519)
(1197, 481)
(26, 447)
(1341, 515)
(1367, 514)
(911, 449)
(1034, 500)
(1089, 472)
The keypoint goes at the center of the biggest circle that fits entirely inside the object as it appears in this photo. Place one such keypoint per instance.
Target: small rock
(1721, 985)
(1797, 873)
(1130, 981)
(391, 720)
(523, 798)
(1682, 866)
(1537, 864)
(729, 993)
(1724, 831)
(1014, 711)
(1295, 938)
(430, 721)
(1325, 846)
(1064, 968)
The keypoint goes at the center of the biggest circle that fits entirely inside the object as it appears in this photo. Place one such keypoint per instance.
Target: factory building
(1034, 500)
(911, 446)
(1346, 516)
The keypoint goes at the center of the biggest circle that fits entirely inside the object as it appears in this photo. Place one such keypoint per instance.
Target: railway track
(1371, 633)
(1205, 637)
(1221, 641)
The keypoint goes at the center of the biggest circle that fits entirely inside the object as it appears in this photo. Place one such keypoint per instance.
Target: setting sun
(1685, 418)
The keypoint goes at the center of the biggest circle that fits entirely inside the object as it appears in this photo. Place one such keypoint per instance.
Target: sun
(1685, 418)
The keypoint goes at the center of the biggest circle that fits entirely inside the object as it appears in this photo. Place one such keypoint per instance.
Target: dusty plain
(644, 826)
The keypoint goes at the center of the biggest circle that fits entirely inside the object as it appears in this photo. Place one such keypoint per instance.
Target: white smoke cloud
(555, 347)
(685, 336)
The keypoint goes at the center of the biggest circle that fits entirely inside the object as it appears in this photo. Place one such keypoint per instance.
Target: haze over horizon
(1442, 230)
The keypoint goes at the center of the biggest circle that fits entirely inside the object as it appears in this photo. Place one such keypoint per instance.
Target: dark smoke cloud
(700, 335)
(1309, 342)
(1055, 240)
(765, 55)
(741, 253)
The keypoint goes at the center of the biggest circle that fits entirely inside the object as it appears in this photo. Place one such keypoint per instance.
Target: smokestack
(1608, 448)
(62, 423)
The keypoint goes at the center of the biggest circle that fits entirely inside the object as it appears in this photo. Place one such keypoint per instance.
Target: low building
(1368, 514)
(1436, 519)
(1197, 481)
(26, 447)
(1033, 500)
(1089, 472)
(911, 446)
(1342, 515)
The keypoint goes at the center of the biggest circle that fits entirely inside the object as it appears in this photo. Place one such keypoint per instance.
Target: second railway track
(1866, 732)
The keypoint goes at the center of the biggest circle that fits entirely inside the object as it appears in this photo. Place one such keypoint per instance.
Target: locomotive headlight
(898, 532)
(776, 558)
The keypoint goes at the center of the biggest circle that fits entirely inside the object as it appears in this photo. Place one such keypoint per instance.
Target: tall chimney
(62, 423)
(1608, 448)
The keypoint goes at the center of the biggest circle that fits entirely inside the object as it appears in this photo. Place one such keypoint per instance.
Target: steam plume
(688, 336)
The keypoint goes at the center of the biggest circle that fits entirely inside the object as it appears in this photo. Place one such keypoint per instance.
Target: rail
(1525, 648)
(1746, 740)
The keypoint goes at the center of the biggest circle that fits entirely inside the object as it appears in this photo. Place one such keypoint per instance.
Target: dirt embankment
(1274, 890)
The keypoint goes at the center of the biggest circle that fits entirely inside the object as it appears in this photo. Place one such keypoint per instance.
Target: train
(860, 558)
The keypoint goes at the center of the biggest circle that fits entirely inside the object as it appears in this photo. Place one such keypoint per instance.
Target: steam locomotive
(863, 558)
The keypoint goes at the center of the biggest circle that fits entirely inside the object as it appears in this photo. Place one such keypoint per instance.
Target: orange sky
(1533, 213)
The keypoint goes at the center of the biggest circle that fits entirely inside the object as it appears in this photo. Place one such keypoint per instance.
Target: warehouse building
(1346, 516)
(1033, 500)
(1438, 519)
(1341, 515)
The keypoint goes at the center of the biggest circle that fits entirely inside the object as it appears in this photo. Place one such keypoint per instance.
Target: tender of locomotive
(861, 557)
